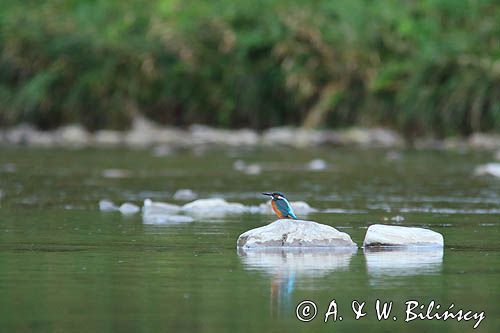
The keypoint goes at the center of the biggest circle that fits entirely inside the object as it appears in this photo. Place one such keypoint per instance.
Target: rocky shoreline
(146, 134)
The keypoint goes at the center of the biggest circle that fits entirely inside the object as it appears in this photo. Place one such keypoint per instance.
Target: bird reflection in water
(282, 287)
(289, 268)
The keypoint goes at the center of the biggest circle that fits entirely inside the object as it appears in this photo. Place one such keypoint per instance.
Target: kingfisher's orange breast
(276, 210)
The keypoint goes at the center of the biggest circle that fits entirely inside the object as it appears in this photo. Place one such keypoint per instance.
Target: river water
(67, 267)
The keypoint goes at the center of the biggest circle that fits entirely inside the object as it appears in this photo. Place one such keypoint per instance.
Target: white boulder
(388, 235)
(294, 233)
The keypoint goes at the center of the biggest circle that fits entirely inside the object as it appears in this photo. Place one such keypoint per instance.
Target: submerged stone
(129, 208)
(317, 165)
(388, 235)
(294, 233)
(214, 207)
(162, 213)
(166, 219)
(159, 208)
(115, 173)
(107, 206)
(185, 194)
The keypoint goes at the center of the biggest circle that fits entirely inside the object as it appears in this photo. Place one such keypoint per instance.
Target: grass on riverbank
(426, 67)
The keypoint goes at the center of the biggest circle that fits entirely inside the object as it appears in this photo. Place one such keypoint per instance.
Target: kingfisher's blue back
(283, 208)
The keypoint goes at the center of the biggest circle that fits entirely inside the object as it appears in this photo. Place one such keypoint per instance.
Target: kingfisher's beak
(269, 194)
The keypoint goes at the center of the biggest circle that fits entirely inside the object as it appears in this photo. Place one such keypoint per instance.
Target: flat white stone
(388, 235)
(294, 233)
(129, 208)
(214, 207)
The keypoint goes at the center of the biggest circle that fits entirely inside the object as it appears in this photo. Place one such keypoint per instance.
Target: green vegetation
(430, 66)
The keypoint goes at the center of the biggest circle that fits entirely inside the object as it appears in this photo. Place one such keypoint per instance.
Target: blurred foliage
(428, 66)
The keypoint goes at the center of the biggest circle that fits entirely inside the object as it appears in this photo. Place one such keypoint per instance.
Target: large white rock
(388, 235)
(294, 233)
(214, 207)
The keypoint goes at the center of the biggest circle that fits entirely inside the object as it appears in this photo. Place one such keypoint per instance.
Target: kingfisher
(280, 205)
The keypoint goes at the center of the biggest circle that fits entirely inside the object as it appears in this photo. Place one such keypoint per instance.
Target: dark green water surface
(66, 267)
